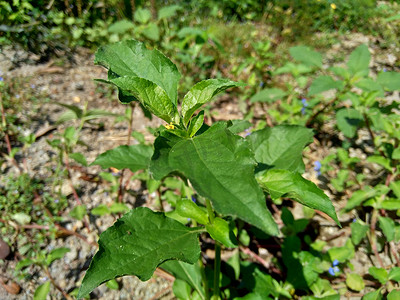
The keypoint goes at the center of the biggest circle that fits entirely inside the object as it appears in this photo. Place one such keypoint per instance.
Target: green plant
(216, 162)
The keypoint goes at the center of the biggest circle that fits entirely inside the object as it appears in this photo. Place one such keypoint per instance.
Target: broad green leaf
(359, 197)
(324, 83)
(188, 209)
(142, 15)
(389, 80)
(150, 95)
(196, 123)
(388, 227)
(78, 212)
(137, 244)
(134, 158)
(268, 95)
(280, 147)
(56, 254)
(394, 295)
(290, 184)
(79, 158)
(220, 166)
(358, 232)
(189, 273)
(355, 282)
(306, 56)
(219, 230)
(132, 58)
(375, 295)
(121, 26)
(168, 11)
(369, 85)
(239, 126)
(380, 160)
(201, 93)
(394, 274)
(42, 291)
(358, 63)
(181, 289)
(379, 274)
(151, 31)
(112, 284)
(348, 121)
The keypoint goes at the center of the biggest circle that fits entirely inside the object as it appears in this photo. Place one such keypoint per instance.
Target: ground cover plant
(208, 187)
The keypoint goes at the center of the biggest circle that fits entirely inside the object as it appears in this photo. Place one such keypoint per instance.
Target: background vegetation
(331, 66)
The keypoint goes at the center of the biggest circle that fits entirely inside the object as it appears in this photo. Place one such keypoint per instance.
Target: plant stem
(204, 278)
(122, 186)
(210, 211)
(217, 269)
(374, 218)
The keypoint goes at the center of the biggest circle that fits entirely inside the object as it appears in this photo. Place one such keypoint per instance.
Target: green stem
(210, 211)
(204, 279)
(217, 269)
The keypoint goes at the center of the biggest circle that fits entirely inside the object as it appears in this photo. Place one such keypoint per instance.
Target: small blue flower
(17, 96)
(384, 70)
(188, 219)
(317, 167)
(56, 201)
(194, 199)
(33, 86)
(335, 263)
(247, 132)
(305, 104)
(1, 78)
(333, 271)
(261, 84)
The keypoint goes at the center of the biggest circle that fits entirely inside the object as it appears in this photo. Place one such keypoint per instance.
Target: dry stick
(74, 193)
(372, 241)
(66, 296)
(6, 137)
(394, 253)
(315, 115)
(46, 227)
(161, 293)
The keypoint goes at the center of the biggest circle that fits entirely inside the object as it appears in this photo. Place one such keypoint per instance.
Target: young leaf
(187, 208)
(134, 158)
(379, 273)
(42, 291)
(132, 58)
(306, 56)
(196, 123)
(181, 289)
(358, 232)
(280, 147)
(220, 166)
(393, 295)
(355, 282)
(150, 95)
(291, 184)
(201, 93)
(268, 95)
(348, 120)
(394, 274)
(136, 244)
(56, 254)
(322, 84)
(189, 273)
(220, 231)
(389, 80)
(358, 63)
(79, 158)
(388, 227)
